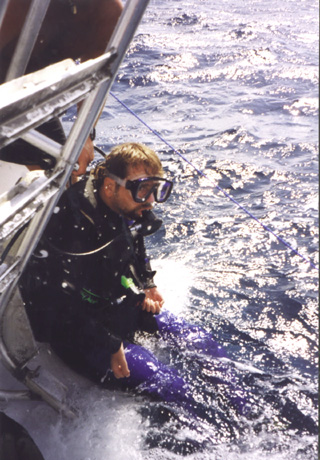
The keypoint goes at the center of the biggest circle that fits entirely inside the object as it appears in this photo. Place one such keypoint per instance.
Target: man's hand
(86, 156)
(119, 364)
(153, 301)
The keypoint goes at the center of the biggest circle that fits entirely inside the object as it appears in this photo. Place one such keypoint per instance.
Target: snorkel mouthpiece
(148, 224)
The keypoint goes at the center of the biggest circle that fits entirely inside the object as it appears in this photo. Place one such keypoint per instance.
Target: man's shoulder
(77, 197)
(81, 207)
(67, 218)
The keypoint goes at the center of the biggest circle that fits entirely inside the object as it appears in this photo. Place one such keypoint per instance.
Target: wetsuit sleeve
(149, 275)
(146, 273)
(95, 337)
(60, 317)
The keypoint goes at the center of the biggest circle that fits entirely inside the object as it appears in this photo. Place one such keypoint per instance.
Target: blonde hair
(127, 155)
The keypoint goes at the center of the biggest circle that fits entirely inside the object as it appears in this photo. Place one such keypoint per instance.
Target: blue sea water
(233, 86)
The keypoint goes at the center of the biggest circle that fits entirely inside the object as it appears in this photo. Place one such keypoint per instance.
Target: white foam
(174, 280)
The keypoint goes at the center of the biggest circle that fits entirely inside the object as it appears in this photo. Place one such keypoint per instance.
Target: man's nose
(151, 198)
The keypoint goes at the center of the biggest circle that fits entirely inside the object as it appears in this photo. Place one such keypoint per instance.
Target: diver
(89, 287)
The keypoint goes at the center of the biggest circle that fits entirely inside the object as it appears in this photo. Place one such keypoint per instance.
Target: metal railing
(24, 107)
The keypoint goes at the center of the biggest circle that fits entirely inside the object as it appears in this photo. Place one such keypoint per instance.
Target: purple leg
(149, 375)
(185, 335)
(198, 343)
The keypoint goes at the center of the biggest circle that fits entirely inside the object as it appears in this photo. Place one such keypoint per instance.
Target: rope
(226, 194)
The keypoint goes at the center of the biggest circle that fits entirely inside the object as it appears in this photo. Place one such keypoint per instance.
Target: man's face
(122, 202)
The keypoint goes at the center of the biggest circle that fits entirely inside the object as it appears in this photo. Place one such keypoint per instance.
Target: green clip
(127, 282)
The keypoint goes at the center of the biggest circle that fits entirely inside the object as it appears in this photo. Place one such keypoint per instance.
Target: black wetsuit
(86, 305)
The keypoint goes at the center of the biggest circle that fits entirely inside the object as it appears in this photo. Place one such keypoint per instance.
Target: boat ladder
(27, 101)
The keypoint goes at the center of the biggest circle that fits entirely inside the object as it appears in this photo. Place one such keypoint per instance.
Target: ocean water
(233, 86)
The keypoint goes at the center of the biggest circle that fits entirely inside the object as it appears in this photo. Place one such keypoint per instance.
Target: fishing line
(226, 194)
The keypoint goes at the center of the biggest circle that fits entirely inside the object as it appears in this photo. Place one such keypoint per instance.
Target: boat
(27, 101)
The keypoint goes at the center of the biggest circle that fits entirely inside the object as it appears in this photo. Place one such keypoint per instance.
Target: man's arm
(85, 157)
(153, 301)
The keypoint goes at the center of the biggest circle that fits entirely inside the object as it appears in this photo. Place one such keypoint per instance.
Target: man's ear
(108, 186)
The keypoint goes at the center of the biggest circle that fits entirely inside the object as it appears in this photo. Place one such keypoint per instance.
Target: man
(96, 259)
(76, 29)
(89, 286)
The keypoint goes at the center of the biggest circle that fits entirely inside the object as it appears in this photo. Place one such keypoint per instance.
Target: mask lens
(145, 189)
(141, 189)
(163, 191)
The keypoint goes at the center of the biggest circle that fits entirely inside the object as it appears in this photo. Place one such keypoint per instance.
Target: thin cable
(226, 194)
